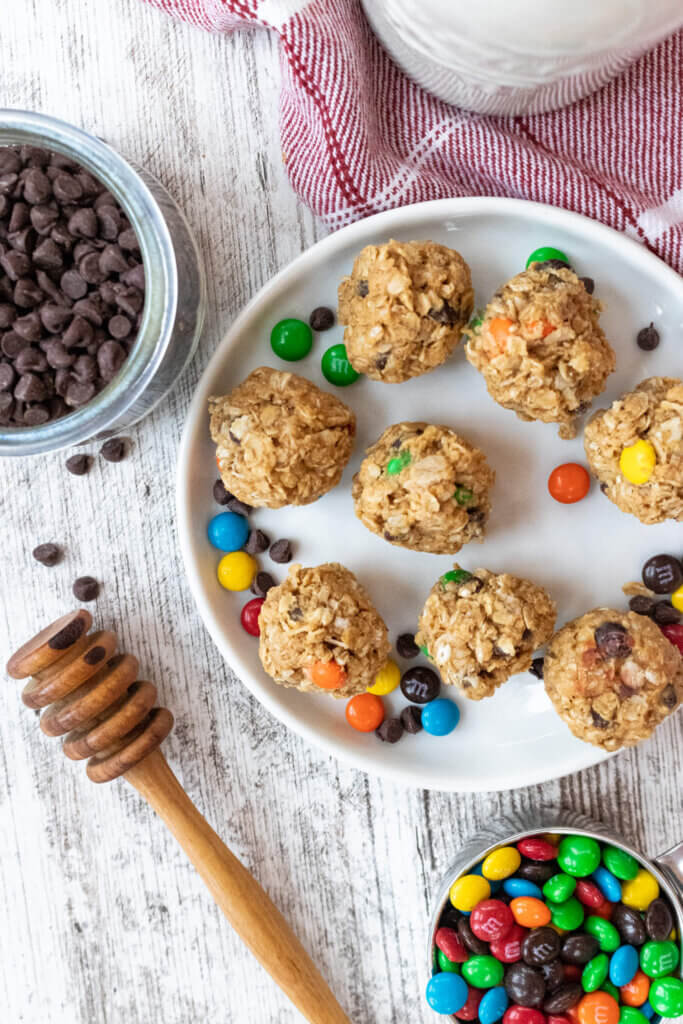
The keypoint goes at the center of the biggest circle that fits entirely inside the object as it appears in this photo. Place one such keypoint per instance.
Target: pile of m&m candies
(557, 930)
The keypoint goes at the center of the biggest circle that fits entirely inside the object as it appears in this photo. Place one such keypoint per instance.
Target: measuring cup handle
(671, 864)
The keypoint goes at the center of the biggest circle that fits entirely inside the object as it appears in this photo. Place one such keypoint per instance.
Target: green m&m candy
(604, 931)
(455, 576)
(611, 989)
(578, 855)
(463, 495)
(659, 958)
(399, 462)
(595, 973)
(483, 971)
(630, 1015)
(559, 888)
(666, 997)
(620, 863)
(445, 964)
(291, 339)
(568, 915)
(547, 252)
(337, 368)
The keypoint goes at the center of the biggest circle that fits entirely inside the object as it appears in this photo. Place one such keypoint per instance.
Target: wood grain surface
(102, 920)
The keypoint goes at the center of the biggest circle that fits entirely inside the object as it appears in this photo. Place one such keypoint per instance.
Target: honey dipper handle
(249, 910)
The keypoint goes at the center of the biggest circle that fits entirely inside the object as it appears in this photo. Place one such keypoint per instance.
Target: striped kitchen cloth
(358, 136)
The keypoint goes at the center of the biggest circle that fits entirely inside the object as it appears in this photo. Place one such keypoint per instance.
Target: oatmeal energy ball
(635, 448)
(280, 440)
(540, 347)
(320, 631)
(423, 487)
(481, 628)
(404, 306)
(613, 677)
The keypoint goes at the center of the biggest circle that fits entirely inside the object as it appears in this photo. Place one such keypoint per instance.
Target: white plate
(582, 553)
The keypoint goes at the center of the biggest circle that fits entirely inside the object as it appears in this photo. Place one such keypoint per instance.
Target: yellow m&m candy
(637, 462)
(469, 890)
(501, 863)
(386, 680)
(640, 891)
(236, 570)
(677, 598)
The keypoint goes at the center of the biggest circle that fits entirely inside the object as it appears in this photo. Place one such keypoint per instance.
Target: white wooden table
(102, 921)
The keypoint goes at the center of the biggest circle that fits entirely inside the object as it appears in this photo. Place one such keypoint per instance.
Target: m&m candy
(236, 570)
(227, 531)
(569, 483)
(336, 367)
(291, 339)
(250, 614)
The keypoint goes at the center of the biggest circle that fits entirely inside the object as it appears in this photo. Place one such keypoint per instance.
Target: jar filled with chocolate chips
(101, 288)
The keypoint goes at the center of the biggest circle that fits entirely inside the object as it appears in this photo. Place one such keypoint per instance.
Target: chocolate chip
(322, 318)
(85, 368)
(262, 583)
(588, 283)
(662, 574)
(47, 554)
(112, 260)
(67, 636)
(257, 540)
(54, 317)
(12, 344)
(612, 640)
(598, 721)
(57, 356)
(95, 654)
(7, 376)
(78, 334)
(30, 388)
(128, 240)
(382, 360)
(37, 186)
(296, 614)
(30, 360)
(362, 288)
(445, 315)
(665, 614)
(114, 449)
(240, 508)
(221, 496)
(119, 326)
(28, 327)
(78, 464)
(390, 731)
(43, 219)
(83, 223)
(86, 588)
(281, 551)
(19, 217)
(420, 684)
(79, 393)
(537, 668)
(411, 718)
(15, 264)
(73, 285)
(641, 604)
(89, 268)
(110, 358)
(406, 646)
(648, 338)
(668, 697)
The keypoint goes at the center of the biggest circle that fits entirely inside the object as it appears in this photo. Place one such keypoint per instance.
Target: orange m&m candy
(598, 1008)
(499, 329)
(328, 675)
(637, 990)
(365, 712)
(530, 912)
(568, 483)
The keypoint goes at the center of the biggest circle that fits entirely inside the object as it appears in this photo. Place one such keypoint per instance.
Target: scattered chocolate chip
(257, 541)
(47, 554)
(598, 721)
(262, 583)
(67, 636)
(662, 574)
(362, 288)
(390, 731)
(114, 449)
(406, 646)
(281, 551)
(668, 697)
(641, 604)
(537, 668)
(445, 315)
(94, 655)
(78, 464)
(411, 718)
(665, 614)
(612, 640)
(648, 338)
(220, 495)
(85, 588)
(322, 318)
(588, 283)
(240, 508)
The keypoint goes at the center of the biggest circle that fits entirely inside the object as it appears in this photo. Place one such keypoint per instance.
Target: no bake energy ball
(280, 440)
(540, 347)
(404, 307)
(320, 631)
(613, 677)
(481, 628)
(635, 448)
(424, 487)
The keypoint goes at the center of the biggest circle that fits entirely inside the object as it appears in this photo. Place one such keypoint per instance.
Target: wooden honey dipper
(93, 697)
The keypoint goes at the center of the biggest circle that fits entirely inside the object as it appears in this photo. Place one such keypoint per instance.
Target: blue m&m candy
(228, 532)
(623, 965)
(446, 993)
(521, 887)
(608, 884)
(440, 717)
(493, 1005)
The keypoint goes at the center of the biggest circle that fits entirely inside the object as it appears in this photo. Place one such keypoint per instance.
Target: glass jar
(175, 289)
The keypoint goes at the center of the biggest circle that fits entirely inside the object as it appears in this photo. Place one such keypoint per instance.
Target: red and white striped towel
(359, 136)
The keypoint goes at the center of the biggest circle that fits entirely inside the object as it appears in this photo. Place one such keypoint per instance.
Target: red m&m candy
(249, 616)
(471, 1008)
(509, 949)
(674, 633)
(523, 1015)
(536, 848)
(448, 941)
(589, 894)
(491, 920)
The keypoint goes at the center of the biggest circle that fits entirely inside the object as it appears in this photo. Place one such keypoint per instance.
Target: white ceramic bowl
(582, 553)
